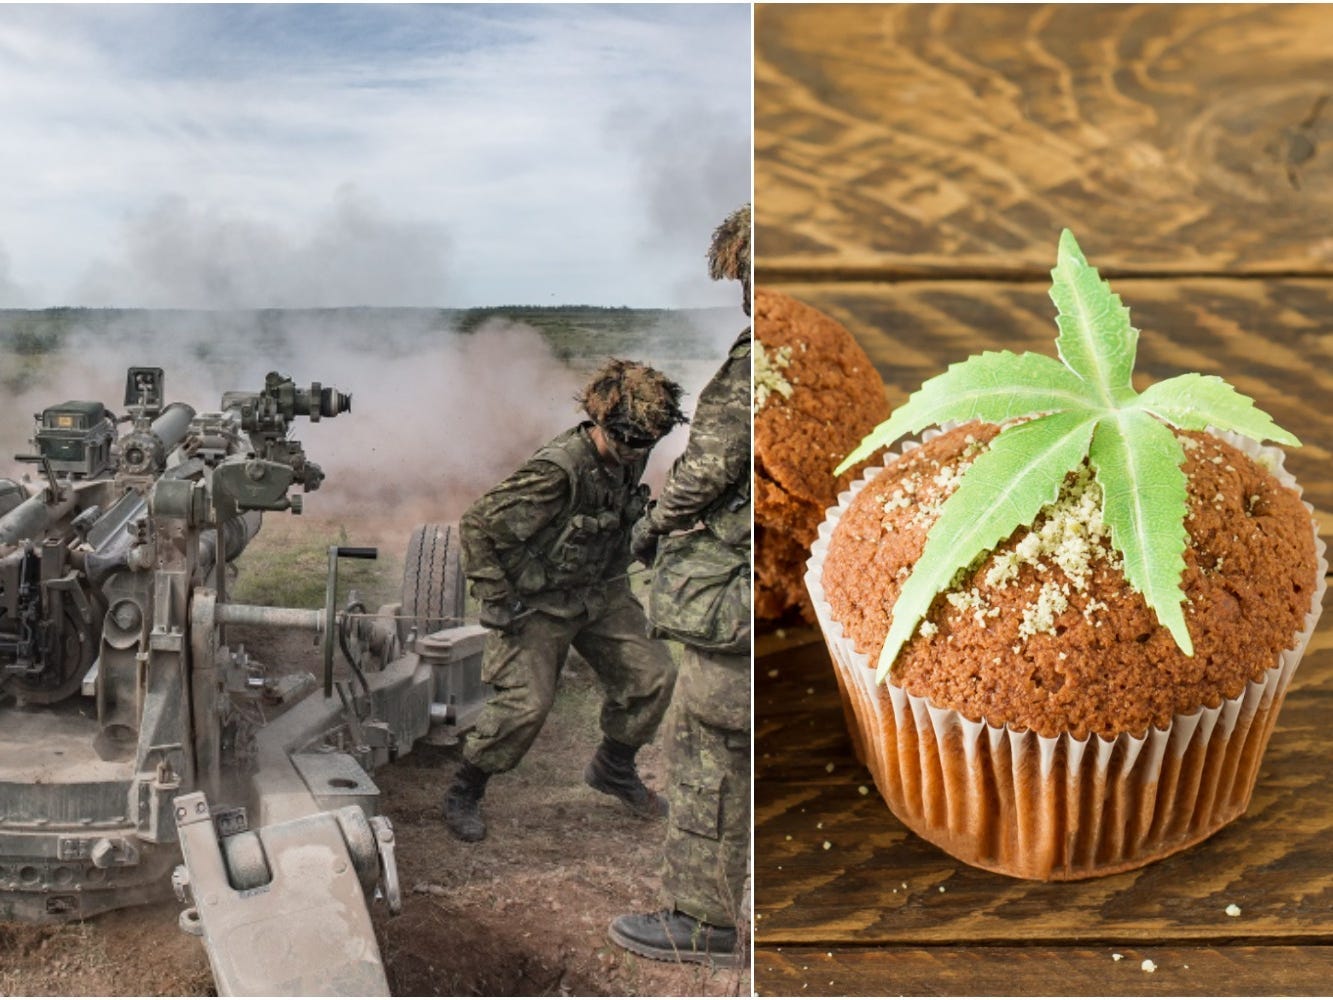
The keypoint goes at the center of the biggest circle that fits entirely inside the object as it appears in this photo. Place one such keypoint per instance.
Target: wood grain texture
(914, 166)
(951, 139)
(1272, 339)
(1237, 970)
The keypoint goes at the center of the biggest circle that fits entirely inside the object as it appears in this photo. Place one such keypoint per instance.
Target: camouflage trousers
(636, 673)
(708, 752)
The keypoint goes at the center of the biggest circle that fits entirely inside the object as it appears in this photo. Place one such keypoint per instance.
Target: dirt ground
(525, 911)
(522, 913)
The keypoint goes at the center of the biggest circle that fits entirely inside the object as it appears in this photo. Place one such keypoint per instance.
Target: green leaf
(1194, 402)
(1096, 340)
(1137, 464)
(995, 386)
(1085, 407)
(1021, 472)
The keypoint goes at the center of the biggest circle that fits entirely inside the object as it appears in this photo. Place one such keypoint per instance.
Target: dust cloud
(438, 416)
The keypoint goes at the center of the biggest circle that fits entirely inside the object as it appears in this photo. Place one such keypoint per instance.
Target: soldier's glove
(504, 615)
(643, 542)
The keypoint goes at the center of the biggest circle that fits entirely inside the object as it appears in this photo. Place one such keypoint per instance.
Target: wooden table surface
(914, 166)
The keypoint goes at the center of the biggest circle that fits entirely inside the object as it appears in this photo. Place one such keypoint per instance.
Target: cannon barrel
(32, 517)
(237, 532)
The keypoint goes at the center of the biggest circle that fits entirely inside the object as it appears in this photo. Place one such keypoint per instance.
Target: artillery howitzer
(140, 751)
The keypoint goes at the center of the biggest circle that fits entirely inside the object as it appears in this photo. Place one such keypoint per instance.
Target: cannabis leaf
(1081, 407)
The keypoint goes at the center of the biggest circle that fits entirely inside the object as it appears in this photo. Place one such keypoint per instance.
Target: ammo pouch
(700, 592)
(586, 540)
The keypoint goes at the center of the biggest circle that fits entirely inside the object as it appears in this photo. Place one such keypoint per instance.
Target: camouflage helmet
(636, 404)
(729, 253)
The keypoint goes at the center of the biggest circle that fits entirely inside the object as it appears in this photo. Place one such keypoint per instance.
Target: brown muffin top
(821, 396)
(1044, 633)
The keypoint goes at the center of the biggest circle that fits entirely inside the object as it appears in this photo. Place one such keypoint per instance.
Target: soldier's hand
(504, 616)
(643, 542)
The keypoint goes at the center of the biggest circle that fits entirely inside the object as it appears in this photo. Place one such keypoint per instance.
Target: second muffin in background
(816, 394)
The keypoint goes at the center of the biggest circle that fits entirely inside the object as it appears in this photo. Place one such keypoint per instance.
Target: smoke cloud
(11, 292)
(438, 416)
(693, 169)
(181, 253)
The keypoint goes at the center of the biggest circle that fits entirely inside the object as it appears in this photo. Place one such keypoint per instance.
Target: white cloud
(522, 149)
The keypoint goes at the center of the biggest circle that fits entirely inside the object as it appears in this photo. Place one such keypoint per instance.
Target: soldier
(547, 554)
(708, 835)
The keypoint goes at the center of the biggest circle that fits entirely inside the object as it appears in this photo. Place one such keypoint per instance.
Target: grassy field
(287, 566)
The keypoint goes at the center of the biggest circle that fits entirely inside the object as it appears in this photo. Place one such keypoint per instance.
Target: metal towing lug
(388, 885)
(282, 909)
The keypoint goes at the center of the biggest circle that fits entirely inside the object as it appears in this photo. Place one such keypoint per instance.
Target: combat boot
(612, 771)
(462, 803)
(672, 936)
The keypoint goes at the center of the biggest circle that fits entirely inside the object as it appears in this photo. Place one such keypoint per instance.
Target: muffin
(809, 376)
(1043, 718)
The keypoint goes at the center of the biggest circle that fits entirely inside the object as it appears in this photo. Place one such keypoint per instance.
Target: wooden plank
(914, 165)
(1236, 970)
(1272, 339)
(944, 139)
(834, 866)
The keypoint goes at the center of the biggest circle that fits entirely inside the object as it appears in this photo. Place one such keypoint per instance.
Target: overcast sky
(418, 155)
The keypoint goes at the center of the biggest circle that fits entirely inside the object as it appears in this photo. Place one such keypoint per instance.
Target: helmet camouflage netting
(632, 401)
(729, 253)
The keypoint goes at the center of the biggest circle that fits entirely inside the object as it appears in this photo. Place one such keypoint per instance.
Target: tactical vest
(700, 590)
(589, 542)
(731, 515)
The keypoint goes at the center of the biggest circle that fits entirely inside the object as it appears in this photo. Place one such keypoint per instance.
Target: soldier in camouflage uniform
(547, 554)
(708, 833)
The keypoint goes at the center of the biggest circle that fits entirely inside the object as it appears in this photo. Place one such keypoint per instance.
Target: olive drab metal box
(76, 437)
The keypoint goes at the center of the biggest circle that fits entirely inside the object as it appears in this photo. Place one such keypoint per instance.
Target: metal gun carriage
(140, 751)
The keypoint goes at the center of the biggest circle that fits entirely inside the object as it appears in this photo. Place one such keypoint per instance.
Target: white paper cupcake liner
(1057, 808)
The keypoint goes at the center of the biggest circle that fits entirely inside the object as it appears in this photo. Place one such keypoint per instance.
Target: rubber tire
(434, 594)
